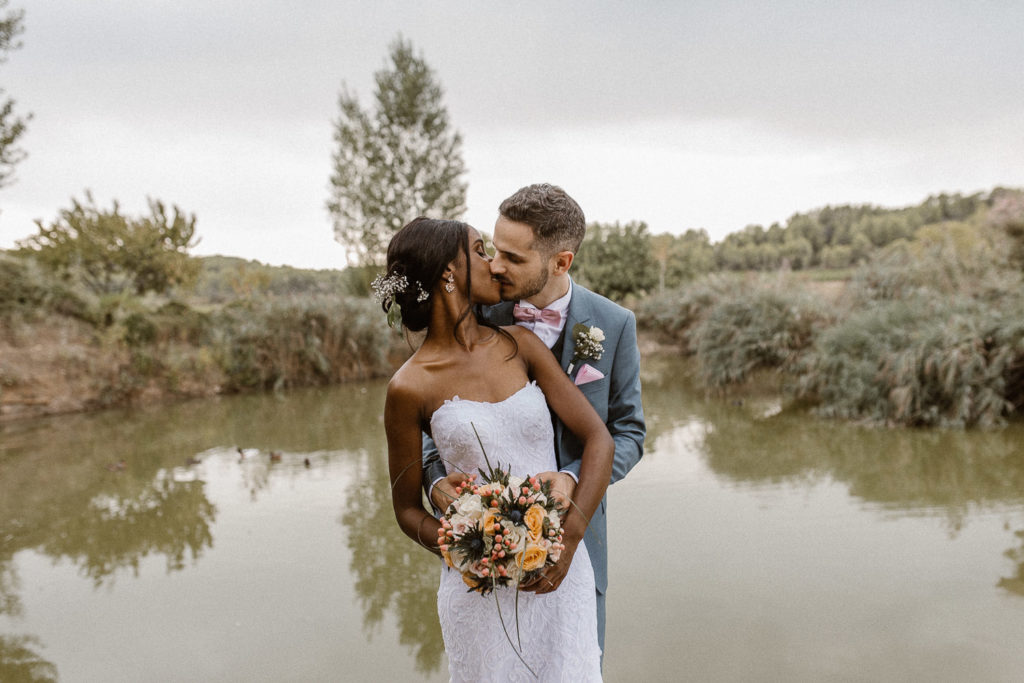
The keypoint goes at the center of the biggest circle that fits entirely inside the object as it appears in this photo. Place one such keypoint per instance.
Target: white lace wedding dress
(558, 630)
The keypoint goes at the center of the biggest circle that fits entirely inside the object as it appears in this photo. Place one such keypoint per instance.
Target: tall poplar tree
(12, 126)
(399, 160)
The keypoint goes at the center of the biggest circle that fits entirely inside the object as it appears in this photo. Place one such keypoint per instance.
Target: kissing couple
(521, 366)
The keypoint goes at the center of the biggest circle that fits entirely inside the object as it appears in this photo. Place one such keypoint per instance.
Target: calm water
(747, 545)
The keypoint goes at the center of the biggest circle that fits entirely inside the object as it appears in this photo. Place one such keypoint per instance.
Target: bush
(956, 260)
(927, 361)
(674, 313)
(26, 290)
(765, 329)
(280, 344)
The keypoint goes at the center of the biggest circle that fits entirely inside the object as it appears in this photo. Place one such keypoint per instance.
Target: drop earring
(450, 285)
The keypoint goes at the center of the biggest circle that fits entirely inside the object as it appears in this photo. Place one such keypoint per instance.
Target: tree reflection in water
(19, 659)
(60, 497)
(391, 572)
(20, 662)
(954, 472)
(1015, 584)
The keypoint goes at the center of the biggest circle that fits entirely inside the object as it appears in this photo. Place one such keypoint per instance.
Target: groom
(536, 237)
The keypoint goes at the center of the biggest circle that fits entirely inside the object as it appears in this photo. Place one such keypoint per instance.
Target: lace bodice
(558, 630)
(516, 433)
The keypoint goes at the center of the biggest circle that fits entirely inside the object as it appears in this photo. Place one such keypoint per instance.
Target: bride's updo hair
(420, 252)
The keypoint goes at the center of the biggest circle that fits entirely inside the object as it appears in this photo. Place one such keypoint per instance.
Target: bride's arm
(578, 416)
(402, 410)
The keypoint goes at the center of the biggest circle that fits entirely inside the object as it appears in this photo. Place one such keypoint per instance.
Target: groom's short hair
(557, 220)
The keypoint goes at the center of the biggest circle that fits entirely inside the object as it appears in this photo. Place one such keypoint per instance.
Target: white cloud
(703, 114)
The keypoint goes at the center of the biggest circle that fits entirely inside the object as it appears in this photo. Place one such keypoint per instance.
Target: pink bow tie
(533, 315)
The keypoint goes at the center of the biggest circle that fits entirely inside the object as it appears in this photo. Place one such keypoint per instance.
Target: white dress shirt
(548, 332)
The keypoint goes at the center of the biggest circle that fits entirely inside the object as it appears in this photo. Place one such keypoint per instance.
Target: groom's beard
(526, 290)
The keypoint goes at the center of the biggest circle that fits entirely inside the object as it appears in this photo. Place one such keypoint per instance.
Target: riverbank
(52, 364)
(56, 366)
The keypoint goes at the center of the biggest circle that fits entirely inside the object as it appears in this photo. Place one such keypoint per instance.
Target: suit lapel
(579, 312)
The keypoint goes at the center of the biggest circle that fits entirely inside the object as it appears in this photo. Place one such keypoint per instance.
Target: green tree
(112, 253)
(692, 255)
(798, 252)
(396, 162)
(12, 126)
(617, 260)
(1007, 214)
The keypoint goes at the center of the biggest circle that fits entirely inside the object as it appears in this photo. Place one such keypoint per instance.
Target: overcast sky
(689, 114)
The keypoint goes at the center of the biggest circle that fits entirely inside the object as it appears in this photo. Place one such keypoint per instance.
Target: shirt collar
(561, 304)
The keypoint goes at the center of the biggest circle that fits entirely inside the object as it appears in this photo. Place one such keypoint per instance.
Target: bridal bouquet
(501, 532)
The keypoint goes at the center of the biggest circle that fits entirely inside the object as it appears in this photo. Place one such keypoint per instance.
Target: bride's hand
(551, 577)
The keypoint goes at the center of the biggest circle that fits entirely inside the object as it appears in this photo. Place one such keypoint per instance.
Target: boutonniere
(586, 344)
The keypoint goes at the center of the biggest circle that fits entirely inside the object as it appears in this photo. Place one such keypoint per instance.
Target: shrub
(926, 361)
(674, 313)
(281, 344)
(764, 329)
(25, 289)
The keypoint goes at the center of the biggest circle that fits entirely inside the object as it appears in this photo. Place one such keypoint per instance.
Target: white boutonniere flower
(587, 344)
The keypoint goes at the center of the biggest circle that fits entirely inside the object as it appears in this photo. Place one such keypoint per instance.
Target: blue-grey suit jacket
(615, 397)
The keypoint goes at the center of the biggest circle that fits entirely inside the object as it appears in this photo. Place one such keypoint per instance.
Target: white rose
(461, 524)
(471, 507)
(597, 333)
(516, 535)
(553, 519)
(516, 483)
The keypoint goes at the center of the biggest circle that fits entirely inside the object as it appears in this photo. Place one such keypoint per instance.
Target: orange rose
(489, 519)
(447, 558)
(470, 580)
(534, 519)
(532, 558)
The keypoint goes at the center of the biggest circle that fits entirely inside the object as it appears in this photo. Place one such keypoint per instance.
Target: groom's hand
(444, 492)
(562, 488)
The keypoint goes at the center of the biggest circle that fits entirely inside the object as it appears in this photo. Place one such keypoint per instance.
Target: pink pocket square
(587, 373)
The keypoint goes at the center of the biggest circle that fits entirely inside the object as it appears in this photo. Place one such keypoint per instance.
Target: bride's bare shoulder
(526, 339)
(408, 382)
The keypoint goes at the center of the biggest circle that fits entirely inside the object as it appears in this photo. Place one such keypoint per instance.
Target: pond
(251, 538)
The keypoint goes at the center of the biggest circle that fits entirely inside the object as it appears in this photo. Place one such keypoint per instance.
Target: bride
(469, 374)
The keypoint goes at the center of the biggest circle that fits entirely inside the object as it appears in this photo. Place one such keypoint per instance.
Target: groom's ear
(562, 261)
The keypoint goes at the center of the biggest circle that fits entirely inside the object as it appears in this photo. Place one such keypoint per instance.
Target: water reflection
(751, 442)
(1015, 584)
(391, 572)
(106, 494)
(19, 656)
(19, 660)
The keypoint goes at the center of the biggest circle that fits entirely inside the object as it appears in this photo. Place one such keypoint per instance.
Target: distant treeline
(226, 278)
(622, 260)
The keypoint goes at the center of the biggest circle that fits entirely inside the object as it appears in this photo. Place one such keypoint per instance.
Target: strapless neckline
(457, 399)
